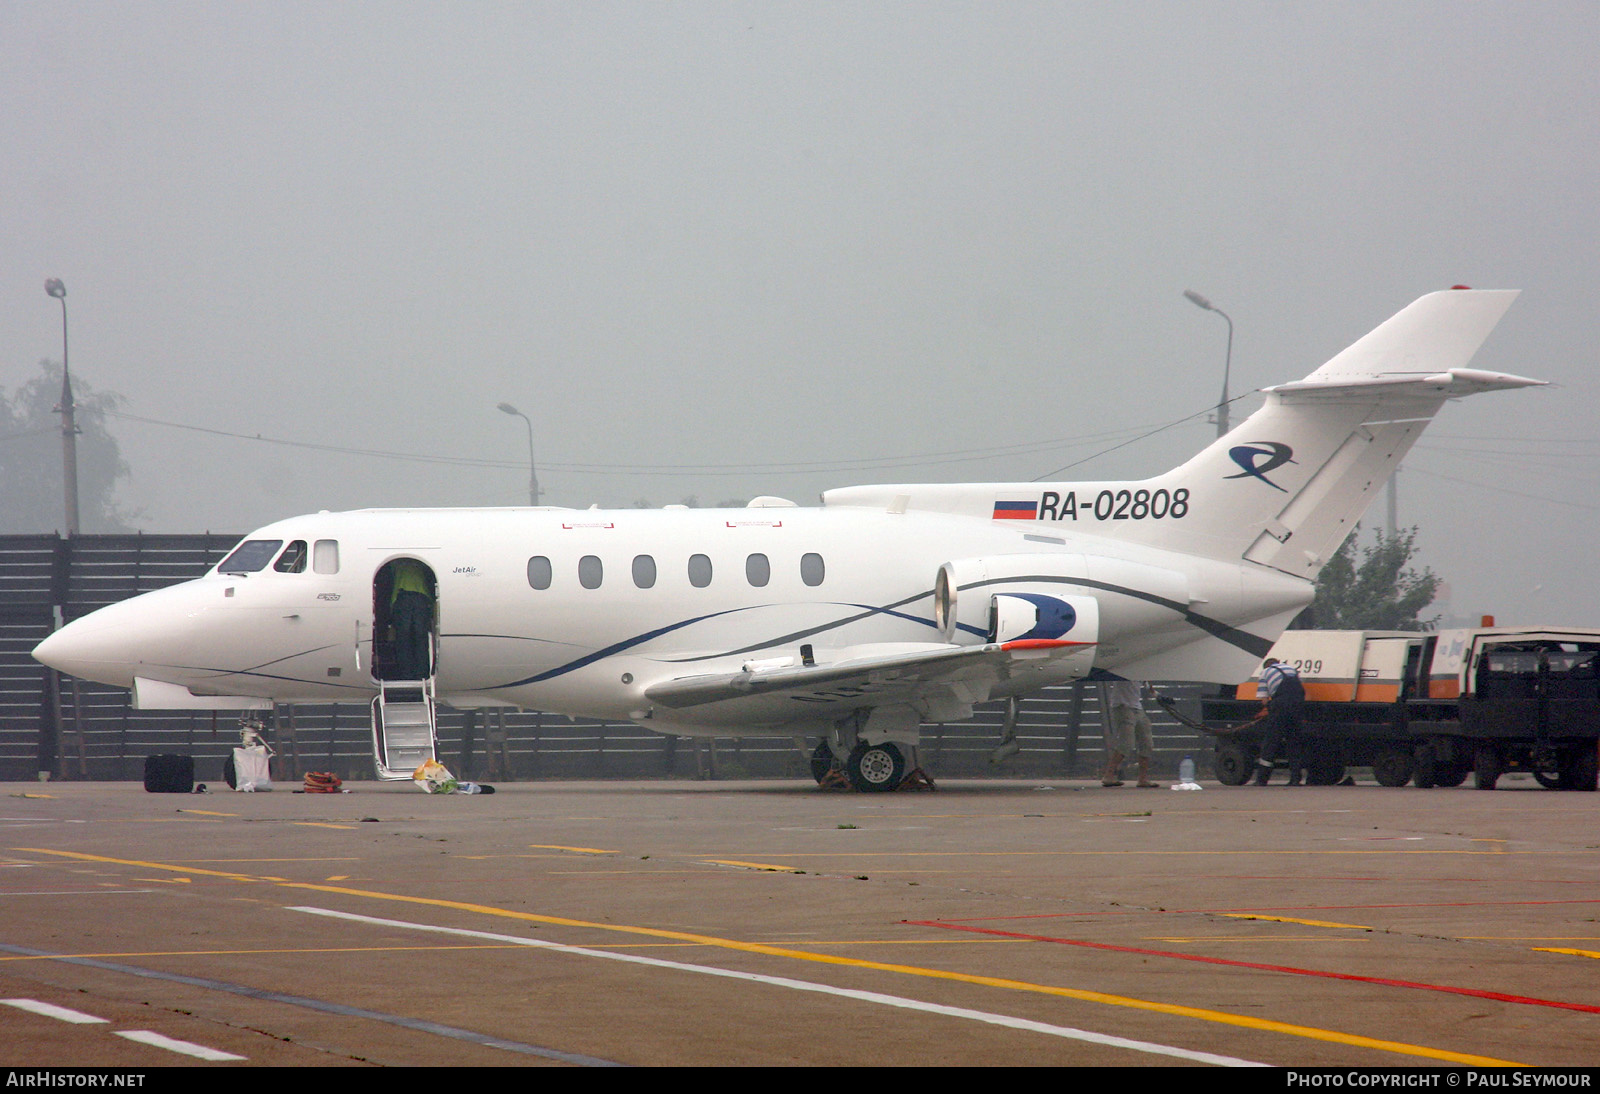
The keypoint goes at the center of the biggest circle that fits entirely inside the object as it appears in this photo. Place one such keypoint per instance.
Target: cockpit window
(293, 559)
(250, 556)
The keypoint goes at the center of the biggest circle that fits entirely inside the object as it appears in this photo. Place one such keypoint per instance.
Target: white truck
(1432, 708)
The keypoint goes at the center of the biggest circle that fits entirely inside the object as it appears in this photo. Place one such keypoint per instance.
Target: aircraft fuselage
(630, 597)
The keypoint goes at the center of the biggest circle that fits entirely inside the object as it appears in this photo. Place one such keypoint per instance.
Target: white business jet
(853, 623)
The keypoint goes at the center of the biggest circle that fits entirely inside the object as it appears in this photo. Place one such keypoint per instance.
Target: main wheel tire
(1322, 771)
(876, 767)
(1393, 767)
(1486, 768)
(1424, 767)
(821, 761)
(1550, 780)
(1579, 767)
(1234, 765)
(1449, 776)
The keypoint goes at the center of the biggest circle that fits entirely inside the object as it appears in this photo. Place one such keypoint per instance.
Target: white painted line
(172, 1044)
(78, 892)
(50, 1010)
(806, 985)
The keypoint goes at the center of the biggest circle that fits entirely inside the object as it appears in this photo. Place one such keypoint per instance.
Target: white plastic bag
(252, 769)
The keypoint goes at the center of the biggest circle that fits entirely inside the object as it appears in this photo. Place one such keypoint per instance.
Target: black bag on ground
(169, 773)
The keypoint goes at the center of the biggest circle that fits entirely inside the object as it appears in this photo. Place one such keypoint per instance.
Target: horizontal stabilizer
(1447, 385)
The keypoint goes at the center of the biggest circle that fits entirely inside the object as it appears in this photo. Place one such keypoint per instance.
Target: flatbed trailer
(1431, 709)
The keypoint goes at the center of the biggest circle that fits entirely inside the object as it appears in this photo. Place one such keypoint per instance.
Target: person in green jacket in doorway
(411, 615)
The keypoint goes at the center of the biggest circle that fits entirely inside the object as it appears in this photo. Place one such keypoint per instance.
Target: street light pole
(69, 424)
(1222, 406)
(533, 473)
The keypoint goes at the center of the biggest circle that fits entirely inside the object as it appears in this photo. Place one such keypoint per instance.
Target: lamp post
(533, 473)
(1222, 406)
(69, 424)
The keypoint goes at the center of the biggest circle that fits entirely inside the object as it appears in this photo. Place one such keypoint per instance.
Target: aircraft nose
(109, 645)
(90, 649)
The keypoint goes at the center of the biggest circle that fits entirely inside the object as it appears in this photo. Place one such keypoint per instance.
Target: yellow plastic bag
(435, 778)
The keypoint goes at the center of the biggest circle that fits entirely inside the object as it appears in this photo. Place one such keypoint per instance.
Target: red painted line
(1258, 910)
(1475, 993)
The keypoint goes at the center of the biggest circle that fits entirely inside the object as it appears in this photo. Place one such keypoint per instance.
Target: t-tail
(1286, 486)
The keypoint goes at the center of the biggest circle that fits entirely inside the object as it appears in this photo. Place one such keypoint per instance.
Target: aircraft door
(405, 616)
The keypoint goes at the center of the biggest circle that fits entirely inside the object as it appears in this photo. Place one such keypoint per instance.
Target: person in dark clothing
(1282, 707)
(411, 615)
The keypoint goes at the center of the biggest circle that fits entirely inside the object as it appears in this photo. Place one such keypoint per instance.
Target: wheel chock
(835, 779)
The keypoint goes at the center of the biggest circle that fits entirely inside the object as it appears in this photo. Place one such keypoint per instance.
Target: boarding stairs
(405, 727)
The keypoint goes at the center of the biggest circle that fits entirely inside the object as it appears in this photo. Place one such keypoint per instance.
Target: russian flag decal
(1016, 510)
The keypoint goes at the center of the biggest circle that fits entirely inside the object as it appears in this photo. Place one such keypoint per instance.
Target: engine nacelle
(1008, 598)
(1124, 596)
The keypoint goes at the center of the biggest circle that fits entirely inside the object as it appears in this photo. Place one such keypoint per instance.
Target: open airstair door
(404, 645)
(404, 727)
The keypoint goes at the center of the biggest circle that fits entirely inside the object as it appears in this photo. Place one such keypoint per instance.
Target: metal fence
(76, 729)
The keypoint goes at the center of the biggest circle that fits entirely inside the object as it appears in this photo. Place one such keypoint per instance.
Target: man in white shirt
(1127, 732)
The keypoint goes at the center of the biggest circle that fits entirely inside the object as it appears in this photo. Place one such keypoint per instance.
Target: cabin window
(590, 572)
(644, 571)
(811, 568)
(293, 559)
(757, 570)
(539, 572)
(325, 556)
(250, 556)
(699, 571)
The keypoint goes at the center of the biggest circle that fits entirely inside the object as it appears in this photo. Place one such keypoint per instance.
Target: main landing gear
(867, 768)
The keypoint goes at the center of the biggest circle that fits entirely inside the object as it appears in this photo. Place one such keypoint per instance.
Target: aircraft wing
(933, 673)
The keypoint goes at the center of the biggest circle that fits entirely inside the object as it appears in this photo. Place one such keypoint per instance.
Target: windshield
(250, 556)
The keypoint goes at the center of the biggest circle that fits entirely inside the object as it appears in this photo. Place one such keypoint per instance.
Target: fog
(722, 249)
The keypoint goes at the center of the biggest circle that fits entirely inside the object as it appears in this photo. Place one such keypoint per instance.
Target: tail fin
(1286, 486)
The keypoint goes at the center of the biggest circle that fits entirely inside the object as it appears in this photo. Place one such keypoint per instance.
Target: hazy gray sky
(787, 241)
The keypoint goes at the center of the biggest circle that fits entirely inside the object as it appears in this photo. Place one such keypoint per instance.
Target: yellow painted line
(164, 880)
(1219, 1017)
(752, 865)
(824, 942)
(81, 857)
(1255, 940)
(50, 796)
(1529, 937)
(1570, 953)
(464, 946)
(337, 877)
(160, 820)
(1243, 851)
(208, 813)
(297, 858)
(575, 850)
(233, 953)
(1291, 919)
(323, 824)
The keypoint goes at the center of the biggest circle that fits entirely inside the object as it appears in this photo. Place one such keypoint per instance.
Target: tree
(31, 497)
(1377, 593)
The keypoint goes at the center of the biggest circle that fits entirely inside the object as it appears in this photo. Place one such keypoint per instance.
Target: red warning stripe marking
(1476, 993)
